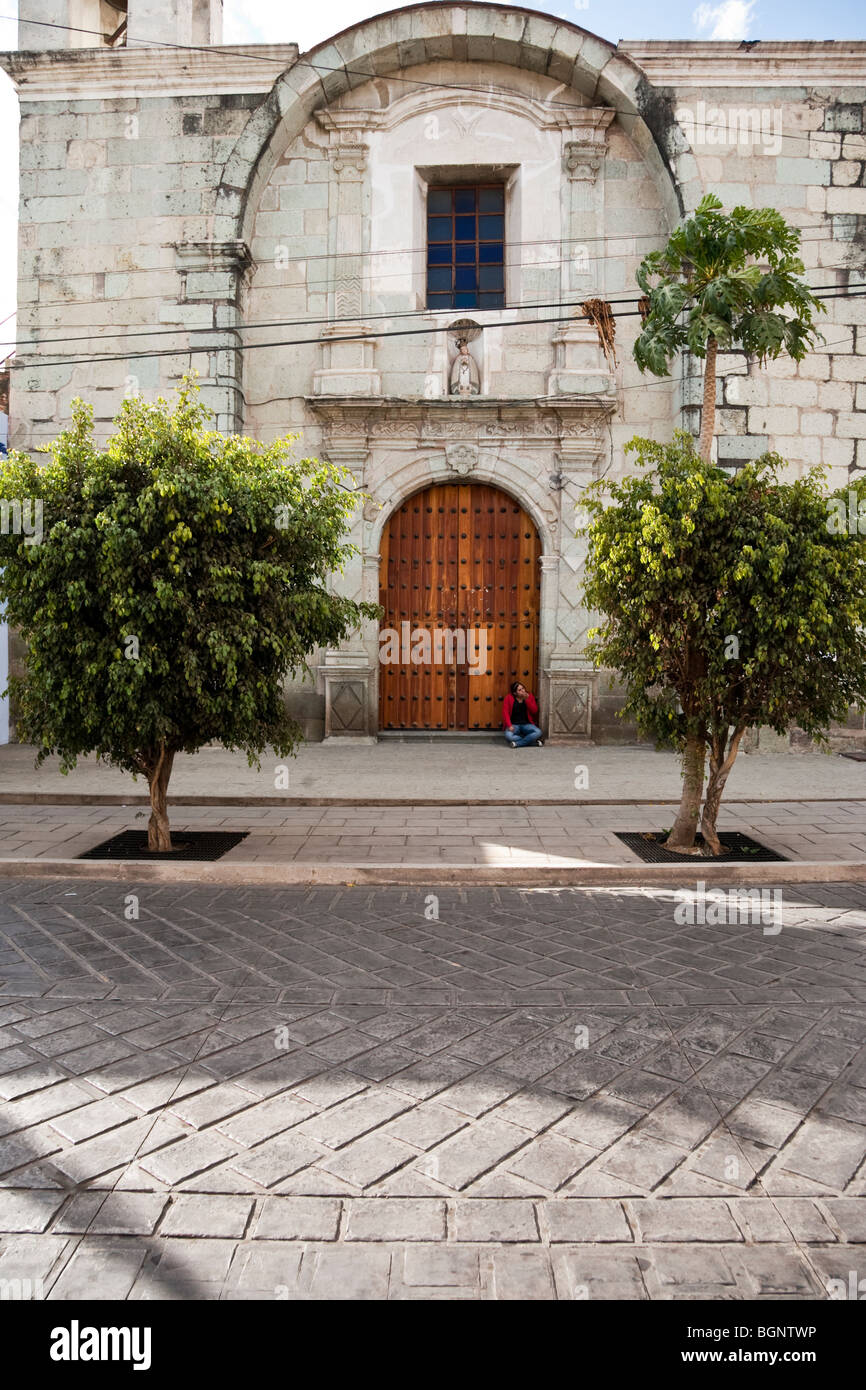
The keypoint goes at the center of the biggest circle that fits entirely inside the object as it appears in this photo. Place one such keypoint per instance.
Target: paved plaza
(438, 769)
(537, 836)
(394, 1093)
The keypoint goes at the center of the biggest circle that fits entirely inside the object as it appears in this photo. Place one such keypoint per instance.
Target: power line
(348, 338)
(826, 292)
(235, 51)
(822, 235)
(369, 277)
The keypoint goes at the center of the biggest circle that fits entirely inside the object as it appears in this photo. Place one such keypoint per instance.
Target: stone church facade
(326, 236)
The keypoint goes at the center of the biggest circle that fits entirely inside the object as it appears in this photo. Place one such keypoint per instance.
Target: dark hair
(514, 685)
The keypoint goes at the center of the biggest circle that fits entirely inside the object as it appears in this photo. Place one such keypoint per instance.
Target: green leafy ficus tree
(180, 576)
(729, 281)
(727, 603)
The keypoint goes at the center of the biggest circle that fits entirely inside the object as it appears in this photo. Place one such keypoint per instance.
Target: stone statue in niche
(465, 377)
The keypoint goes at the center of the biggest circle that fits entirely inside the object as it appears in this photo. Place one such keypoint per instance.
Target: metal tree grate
(191, 844)
(740, 849)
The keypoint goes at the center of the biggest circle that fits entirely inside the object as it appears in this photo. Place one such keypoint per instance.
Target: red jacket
(508, 705)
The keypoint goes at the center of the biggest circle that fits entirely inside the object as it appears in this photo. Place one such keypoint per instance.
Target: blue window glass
(439, 200)
(465, 247)
(489, 277)
(439, 278)
(491, 199)
(438, 228)
(491, 228)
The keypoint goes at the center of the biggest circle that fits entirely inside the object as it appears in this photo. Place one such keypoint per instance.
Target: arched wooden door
(459, 583)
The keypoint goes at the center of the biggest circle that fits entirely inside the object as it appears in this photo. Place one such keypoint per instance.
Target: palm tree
(725, 280)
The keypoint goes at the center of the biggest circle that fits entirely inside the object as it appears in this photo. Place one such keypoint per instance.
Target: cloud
(730, 20)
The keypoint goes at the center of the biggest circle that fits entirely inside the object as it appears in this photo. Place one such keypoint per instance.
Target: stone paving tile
(104, 1268)
(396, 1218)
(684, 1219)
(482, 1220)
(343, 1123)
(210, 1216)
(276, 1159)
(461, 1118)
(112, 1213)
(298, 1218)
(366, 1161)
(28, 1211)
(471, 1153)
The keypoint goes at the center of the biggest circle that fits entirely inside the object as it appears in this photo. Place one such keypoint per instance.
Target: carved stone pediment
(574, 426)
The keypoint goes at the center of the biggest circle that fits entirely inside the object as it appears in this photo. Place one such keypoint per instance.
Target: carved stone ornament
(349, 161)
(583, 160)
(462, 458)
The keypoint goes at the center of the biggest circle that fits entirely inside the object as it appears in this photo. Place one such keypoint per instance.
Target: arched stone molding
(519, 484)
(418, 34)
(358, 671)
(426, 468)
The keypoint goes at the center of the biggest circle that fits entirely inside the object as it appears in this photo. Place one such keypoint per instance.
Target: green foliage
(214, 553)
(727, 601)
(733, 277)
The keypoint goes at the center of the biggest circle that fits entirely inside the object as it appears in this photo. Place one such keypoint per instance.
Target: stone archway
(418, 34)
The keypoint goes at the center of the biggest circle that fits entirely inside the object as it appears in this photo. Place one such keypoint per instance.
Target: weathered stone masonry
(243, 196)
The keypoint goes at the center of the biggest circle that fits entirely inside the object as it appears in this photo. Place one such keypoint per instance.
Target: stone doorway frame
(540, 452)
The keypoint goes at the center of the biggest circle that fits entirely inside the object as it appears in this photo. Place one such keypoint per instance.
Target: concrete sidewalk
(437, 843)
(442, 772)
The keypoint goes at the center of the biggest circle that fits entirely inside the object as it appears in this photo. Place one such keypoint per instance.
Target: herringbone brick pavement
(389, 1093)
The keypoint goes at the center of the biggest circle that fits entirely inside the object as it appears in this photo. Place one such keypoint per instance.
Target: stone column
(579, 366)
(347, 352)
(214, 279)
(572, 678)
(349, 671)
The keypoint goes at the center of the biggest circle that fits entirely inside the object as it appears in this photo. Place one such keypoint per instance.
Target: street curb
(513, 875)
(12, 798)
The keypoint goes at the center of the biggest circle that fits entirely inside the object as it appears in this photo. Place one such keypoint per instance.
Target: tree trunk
(682, 837)
(708, 412)
(158, 831)
(720, 767)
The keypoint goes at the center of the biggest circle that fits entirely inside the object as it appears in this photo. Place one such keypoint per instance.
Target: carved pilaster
(584, 146)
(348, 350)
(215, 275)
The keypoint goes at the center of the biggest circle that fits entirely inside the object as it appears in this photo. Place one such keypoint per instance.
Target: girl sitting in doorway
(520, 715)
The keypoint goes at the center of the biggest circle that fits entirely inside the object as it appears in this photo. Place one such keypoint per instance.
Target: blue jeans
(523, 735)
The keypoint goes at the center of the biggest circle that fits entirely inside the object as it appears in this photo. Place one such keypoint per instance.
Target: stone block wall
(203, 200)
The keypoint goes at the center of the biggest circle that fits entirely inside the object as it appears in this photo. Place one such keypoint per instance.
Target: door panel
(465, 558)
